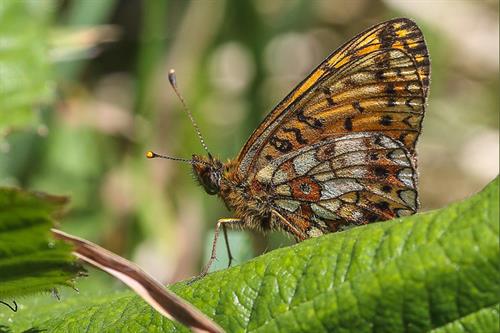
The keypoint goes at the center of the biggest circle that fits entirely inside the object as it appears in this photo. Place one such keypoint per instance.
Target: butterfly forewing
(376, 82)
(359, 100)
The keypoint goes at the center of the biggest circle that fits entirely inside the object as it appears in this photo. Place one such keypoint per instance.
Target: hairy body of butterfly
(339, 150)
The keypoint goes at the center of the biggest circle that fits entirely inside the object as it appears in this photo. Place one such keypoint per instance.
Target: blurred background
(84, 93)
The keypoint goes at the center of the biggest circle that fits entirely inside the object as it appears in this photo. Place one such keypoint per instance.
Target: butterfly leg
(299, 236)
(229, 254)
(221, 223)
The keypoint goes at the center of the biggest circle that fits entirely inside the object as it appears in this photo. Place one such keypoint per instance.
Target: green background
(84, 93)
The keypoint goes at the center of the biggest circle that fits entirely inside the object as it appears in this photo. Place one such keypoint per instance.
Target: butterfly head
(208, 172)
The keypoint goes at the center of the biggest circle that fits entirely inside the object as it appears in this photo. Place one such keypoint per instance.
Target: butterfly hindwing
(342, 181)
(376, 82)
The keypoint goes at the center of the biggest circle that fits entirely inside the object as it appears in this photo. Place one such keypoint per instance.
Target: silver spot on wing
(280, 177)
(406, 176)
(326, 213)
(336, 187)
(386, 142)
(409, 197)
(399, 157)
(305, 162)
(404, 212)
(288, 205)
(356, 171)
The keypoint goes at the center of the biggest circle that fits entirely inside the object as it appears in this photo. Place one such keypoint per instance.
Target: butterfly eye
(208, 177)
(211, 183)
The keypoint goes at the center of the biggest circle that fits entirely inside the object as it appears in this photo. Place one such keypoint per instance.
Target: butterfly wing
(347, 180)
(376, 82)
(339, 150)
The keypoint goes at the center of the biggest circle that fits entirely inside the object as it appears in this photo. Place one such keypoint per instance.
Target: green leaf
(30, 259)
(24, 61)
(436, 271)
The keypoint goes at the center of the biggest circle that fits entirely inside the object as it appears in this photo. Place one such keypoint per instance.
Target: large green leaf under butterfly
(431, 272)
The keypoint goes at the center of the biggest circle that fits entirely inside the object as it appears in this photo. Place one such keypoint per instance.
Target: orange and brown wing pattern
(377, 82)
(339, 182)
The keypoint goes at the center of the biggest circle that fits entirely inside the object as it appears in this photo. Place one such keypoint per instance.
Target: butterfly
(339, 150)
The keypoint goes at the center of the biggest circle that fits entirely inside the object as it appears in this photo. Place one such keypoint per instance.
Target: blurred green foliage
(25, 72)
(234, 60)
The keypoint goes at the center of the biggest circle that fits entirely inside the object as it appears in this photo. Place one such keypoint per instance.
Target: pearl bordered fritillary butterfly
(339, 150)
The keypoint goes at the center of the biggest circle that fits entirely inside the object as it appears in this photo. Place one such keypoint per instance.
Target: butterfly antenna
(152, 154)
(173, 82)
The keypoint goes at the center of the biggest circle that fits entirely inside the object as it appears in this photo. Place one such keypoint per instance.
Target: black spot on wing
(378, 140)
(385, 120)
(390, 89)
(408, 103)
(382, 205)
(379, 75)
(358, 107)
(348, 124)
(381, 172)
(425, 81)
(311, 121)
(328, 95)
(402, 137)
(281, 145)
(298, 135)
(388, 36)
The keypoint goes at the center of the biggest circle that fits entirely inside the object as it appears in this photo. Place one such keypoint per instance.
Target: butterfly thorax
(237, 194)
(224, 180)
